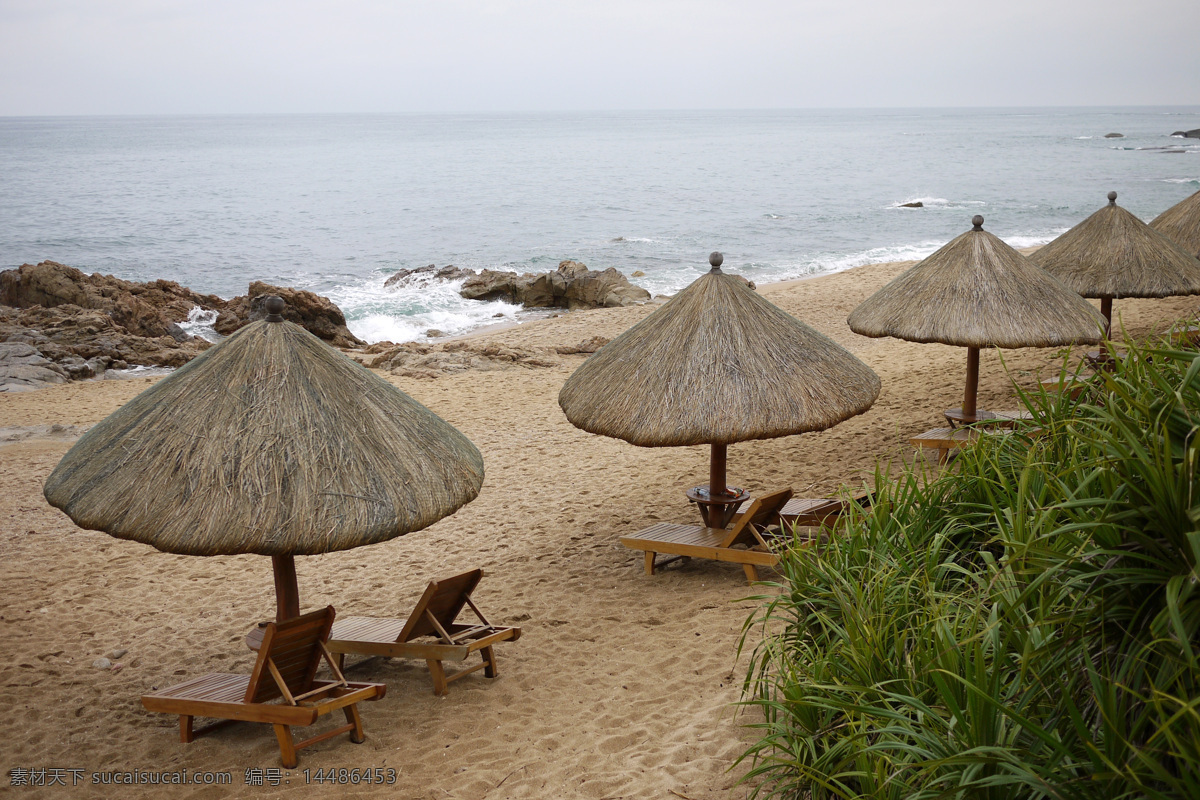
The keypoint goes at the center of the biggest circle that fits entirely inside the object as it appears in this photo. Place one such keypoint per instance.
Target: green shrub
(1026, 624)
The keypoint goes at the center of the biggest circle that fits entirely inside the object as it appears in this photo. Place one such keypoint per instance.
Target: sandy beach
(622, 686)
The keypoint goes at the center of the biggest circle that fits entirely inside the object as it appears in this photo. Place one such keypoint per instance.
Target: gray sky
(240, 56)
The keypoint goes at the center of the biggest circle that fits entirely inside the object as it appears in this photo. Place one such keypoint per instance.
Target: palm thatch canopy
(716, 364)
(271, 442)
(1181, 224)
(978, 292)
(1112, 253)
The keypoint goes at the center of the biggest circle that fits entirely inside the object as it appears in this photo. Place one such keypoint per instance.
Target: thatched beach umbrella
(977, 292)
(1181, 224)
(1112, 253)
(716, 364)
(271, 442)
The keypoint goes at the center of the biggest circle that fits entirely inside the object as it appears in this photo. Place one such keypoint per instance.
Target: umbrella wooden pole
(287, 592)
(716, 471)
(972, 390)
(1106, 310)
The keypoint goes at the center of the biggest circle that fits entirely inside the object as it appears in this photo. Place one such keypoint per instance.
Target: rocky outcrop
(142, 309)
(85, 324)
(491, 284)
(914, 204)
(316, 314)
(571, 286)
(415, 360)
(23, 368)
(1192, 134)
(1114, 136)
(65, 333)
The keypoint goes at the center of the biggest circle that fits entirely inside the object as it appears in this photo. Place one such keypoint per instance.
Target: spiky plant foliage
(1025, 625)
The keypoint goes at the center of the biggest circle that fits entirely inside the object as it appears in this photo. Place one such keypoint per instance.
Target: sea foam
(404, 313)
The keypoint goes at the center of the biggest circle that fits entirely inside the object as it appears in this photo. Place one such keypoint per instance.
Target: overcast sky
(239, 56)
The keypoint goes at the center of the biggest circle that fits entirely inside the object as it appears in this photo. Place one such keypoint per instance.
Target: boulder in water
(446, 273)
(316, 314)
(571, 286)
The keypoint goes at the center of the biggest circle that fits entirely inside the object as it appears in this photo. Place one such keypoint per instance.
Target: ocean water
(338, 203)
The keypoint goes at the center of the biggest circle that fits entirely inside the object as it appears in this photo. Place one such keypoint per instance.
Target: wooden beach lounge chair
(944, 440)
(947, 440)
(1069, 386)
(812, 512)
(981, 418)
(430, 632)
(281, 690)
(1185, 335)
(820, 511)
(718, 544)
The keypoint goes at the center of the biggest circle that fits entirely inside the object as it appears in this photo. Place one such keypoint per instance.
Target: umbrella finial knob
(715, 259)
(274, 307)
(977, 221)
(1112, 198)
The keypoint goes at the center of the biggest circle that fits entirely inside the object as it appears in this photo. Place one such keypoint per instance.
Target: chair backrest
(831, 509)
(763, 511)
(294, 647)
(443, 599)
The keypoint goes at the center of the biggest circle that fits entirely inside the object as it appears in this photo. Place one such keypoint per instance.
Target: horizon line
(582, 111)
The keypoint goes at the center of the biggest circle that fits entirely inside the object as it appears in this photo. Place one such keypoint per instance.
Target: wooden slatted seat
(1010, 418)
(1069, 386)
(981, 418)
(1185, 335)
(944, 440)
(431, 632)
(812, 511)
(717, 544)
(281, 690)
(947, 440)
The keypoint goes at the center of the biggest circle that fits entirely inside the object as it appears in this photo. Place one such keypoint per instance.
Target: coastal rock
(571, 286)
(492, 284)
(23, 368)
(143, 309)
(600, 289)
(316, 314)
(446, 273)
(87, 324)
(87, 341)
(417, 360)
(1114, 136)
(1194, 133)
(916, 204)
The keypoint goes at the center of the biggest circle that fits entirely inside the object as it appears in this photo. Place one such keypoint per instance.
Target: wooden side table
(716, 511)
